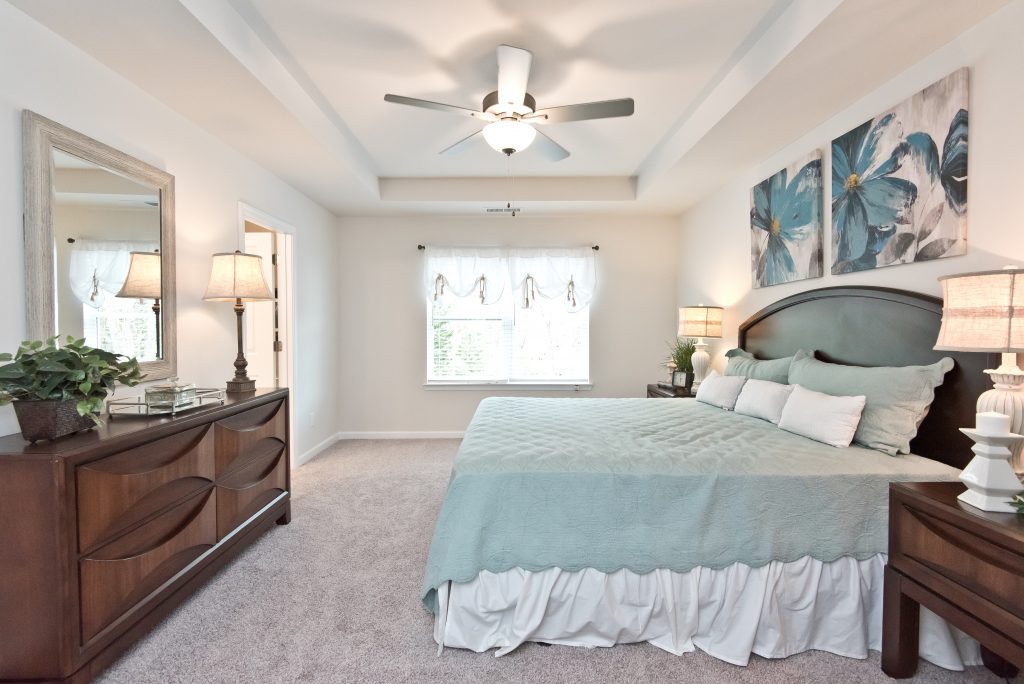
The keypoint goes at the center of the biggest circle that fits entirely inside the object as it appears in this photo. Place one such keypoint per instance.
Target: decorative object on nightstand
(237, 277)
(143, 282)
(681, 361)
(991, 482)
(979, 313)
(700, 322)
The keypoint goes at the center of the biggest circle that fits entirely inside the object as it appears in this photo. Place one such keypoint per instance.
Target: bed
(592, 522)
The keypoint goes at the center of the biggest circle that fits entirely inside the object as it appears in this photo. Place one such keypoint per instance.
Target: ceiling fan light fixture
(509, 134)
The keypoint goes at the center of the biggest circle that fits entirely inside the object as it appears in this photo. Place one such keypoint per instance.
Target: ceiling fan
(510, 112)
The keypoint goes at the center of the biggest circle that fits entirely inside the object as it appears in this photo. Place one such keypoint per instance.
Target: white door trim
(247, 212)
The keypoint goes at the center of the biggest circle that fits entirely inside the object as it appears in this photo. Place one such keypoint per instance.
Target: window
(127, 325)
(512, 339)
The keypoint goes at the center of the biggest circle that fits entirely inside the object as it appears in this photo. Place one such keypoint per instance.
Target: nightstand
(962, 563)
(658, 391)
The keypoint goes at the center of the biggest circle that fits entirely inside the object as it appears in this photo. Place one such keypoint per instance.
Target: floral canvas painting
(899, 182)
(786, 224)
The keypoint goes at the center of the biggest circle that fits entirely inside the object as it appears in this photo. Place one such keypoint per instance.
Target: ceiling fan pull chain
(483, 289)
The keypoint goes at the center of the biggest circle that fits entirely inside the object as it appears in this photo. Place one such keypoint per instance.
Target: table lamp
(237, 277)
(984, 312)
(700, 322)
(143, 282)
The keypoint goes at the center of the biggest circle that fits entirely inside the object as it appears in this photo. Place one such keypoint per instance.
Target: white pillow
(763, 399)
(720, 390)
(822, 417)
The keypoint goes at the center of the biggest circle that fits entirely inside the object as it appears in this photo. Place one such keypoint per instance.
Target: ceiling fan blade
(549, 148)
(439, 106)
(462, 145)
(606, 109)
(513, 73)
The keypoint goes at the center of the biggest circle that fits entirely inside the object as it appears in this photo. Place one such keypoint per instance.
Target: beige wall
(45, 73)
(382, 343)
(715, 235)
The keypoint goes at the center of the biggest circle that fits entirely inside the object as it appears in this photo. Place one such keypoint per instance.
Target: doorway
(268, 325)
(264, 339)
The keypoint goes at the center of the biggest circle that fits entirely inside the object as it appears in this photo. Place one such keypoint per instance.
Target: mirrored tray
(136, 406)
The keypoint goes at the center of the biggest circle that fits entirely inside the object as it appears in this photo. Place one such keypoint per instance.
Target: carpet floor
(334, 597)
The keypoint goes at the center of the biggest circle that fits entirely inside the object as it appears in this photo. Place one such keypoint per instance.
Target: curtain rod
(423, 247)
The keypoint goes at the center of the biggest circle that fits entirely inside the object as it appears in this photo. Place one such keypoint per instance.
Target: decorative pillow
(898, 397)
(763, 399)
(743, 363)
(822, 417)
(720, 391)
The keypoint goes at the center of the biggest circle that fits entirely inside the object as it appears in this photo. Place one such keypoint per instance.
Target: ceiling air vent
(503, 210)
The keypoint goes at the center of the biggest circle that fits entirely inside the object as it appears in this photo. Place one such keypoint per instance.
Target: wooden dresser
(104, 533)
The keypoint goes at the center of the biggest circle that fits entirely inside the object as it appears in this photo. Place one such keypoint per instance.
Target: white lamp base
(1007, 397)
(701, 362)
(991, 482)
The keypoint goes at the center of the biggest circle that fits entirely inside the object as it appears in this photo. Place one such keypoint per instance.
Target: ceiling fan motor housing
(491, 105)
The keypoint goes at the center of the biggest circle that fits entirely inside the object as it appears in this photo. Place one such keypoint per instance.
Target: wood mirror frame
(40, 136)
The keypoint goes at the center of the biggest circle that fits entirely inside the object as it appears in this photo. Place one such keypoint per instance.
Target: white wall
(42, 72)
(715, 234)
(383, 310)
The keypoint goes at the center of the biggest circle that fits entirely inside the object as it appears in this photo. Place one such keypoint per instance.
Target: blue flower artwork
(899, 182)
(786, 225)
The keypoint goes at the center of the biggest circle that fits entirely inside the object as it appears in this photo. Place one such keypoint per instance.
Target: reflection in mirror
(100, 218)
(99, 246)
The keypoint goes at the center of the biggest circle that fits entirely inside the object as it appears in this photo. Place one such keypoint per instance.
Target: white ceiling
(298, 86)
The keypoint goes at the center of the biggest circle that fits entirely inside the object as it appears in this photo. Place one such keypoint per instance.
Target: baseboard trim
(401, 435)
(315, 451)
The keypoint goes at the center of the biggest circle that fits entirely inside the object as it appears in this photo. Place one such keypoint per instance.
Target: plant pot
(49, 418)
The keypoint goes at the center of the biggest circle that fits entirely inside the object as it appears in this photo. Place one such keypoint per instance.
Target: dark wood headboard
(877, 326)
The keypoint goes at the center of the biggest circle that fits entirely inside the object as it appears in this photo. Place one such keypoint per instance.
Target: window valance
(97, 268)
(489, 272)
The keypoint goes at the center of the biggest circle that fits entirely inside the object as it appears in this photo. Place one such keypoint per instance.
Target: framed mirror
(99, 246)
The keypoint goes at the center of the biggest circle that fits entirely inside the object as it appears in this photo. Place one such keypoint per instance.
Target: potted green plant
(681, 359)
(58, 390)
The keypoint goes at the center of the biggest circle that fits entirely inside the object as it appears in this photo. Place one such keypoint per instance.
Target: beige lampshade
(143, 281)
(983, 312)
(237, 276)
(700, 321)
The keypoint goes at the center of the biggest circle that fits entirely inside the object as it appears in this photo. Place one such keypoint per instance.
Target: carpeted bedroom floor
(334, 597)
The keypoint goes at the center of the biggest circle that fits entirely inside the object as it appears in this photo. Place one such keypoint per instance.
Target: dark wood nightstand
(965, 564)
(658, 391)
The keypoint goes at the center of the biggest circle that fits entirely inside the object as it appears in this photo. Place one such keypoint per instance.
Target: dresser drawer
(119, 491)
(925, 539)
(248, 488)
(249, 434)
(120, 575)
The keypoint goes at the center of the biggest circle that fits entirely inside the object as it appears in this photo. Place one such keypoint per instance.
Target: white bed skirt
(774, 611)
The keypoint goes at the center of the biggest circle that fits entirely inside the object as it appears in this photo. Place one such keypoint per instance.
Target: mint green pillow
(898, 397)
(743, 363)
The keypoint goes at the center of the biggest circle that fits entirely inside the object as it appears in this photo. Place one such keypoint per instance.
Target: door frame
(249, 213)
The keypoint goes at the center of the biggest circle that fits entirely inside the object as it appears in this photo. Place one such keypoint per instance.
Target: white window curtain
(461, 272)
(528, 272)
(97, 268)
(553, 272)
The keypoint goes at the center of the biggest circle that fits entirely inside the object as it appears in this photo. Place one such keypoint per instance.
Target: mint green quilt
(645, 483)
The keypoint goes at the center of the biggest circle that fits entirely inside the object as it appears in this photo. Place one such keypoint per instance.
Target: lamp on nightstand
(700, 322)
(984, 312)
(238, 278)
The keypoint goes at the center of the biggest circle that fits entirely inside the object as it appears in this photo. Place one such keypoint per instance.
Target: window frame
(506, 384)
